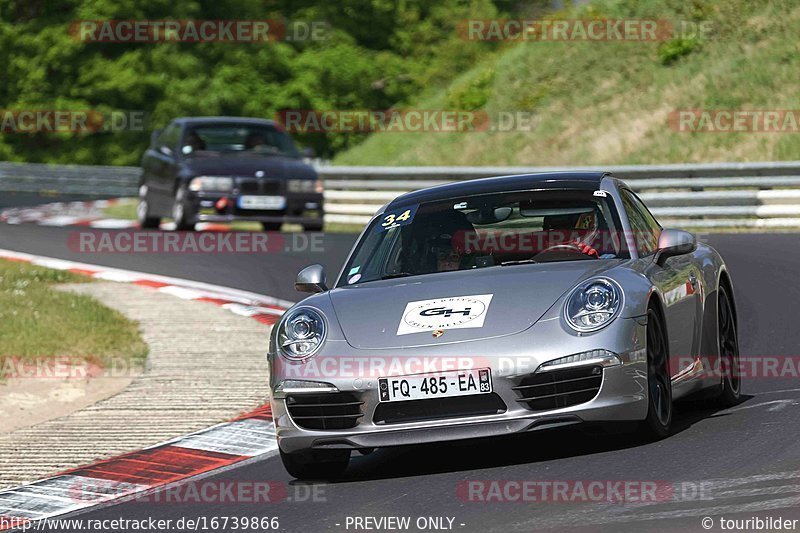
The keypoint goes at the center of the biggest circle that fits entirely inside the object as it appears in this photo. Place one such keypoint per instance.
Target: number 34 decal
(396, 218)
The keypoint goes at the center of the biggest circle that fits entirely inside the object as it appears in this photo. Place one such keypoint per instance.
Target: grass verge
(38, 322)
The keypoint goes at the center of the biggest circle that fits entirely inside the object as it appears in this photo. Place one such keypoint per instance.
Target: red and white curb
(265, 309)
(251, 435)
(87, 214)
(66, 214)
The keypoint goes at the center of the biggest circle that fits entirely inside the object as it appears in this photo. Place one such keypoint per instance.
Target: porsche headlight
(593, 304)
(301, 333)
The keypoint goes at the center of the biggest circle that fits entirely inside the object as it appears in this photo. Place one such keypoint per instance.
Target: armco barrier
(710, 195)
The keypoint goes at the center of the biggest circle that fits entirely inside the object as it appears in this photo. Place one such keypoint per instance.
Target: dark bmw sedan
(222, 169)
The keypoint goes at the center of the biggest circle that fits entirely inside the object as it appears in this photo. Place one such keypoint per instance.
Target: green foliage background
(377, 54)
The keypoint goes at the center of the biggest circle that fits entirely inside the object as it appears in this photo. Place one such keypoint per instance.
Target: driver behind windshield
(254, 140)
(437, 249)
(194, 142)
(578, 230)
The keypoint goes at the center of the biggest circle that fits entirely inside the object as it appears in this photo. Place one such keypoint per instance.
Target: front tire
(730, 391)
(316, 464)
(271, 226)
(313, 227)
(658, 423)
(180, 211)
(143, 215)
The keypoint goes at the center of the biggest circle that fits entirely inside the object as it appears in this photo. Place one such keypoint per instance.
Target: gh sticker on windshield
(400, 217)
(455, 312)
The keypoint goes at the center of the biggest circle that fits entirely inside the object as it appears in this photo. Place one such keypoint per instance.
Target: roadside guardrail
(708, 195)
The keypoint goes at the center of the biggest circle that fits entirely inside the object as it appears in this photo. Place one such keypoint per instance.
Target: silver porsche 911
(496, 306)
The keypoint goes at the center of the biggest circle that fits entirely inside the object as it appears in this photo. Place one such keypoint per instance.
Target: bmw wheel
(180, 214)
(271, 226)
(143, 216)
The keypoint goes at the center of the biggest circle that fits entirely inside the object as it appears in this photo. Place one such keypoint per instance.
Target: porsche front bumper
(621, 393)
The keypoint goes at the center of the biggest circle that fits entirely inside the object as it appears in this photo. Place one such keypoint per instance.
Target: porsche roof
(518, 182)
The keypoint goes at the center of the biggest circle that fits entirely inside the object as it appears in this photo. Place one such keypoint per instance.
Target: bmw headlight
(301, 333)
(211, 183)
(593, 304)
(305, 186)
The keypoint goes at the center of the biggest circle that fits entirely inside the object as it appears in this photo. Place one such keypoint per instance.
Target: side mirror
(311, 279)
(308, 152)
(674, 242)
(154, 137)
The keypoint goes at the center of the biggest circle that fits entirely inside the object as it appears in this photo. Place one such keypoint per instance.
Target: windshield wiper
(396, 275)
(520, 262)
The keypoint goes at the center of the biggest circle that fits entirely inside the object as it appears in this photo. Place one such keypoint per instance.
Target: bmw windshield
(488, 231)
(245, 139)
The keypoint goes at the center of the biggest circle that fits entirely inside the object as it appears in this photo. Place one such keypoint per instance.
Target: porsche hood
(455, 306)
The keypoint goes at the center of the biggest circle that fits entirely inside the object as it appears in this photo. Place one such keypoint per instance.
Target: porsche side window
(645, 211)
(644, 226)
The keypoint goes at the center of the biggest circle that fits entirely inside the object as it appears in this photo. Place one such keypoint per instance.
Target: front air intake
(340, 410)
(543, 391)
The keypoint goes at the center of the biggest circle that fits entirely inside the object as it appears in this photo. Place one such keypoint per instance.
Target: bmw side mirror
(311, 279)
(674, 242)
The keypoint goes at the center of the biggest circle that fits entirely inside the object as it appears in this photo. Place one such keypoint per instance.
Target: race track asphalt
(737, 463)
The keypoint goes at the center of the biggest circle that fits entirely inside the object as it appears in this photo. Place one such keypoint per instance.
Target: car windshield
(488, 231)
(238, 139)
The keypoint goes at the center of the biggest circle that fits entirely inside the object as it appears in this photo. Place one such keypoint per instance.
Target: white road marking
(112, 223)
(776, 405)
(778, 391)
(181, 292)
(61, 220)
(605, 513)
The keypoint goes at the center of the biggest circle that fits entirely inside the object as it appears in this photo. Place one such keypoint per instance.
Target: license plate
(439, 385)
(262, 202)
